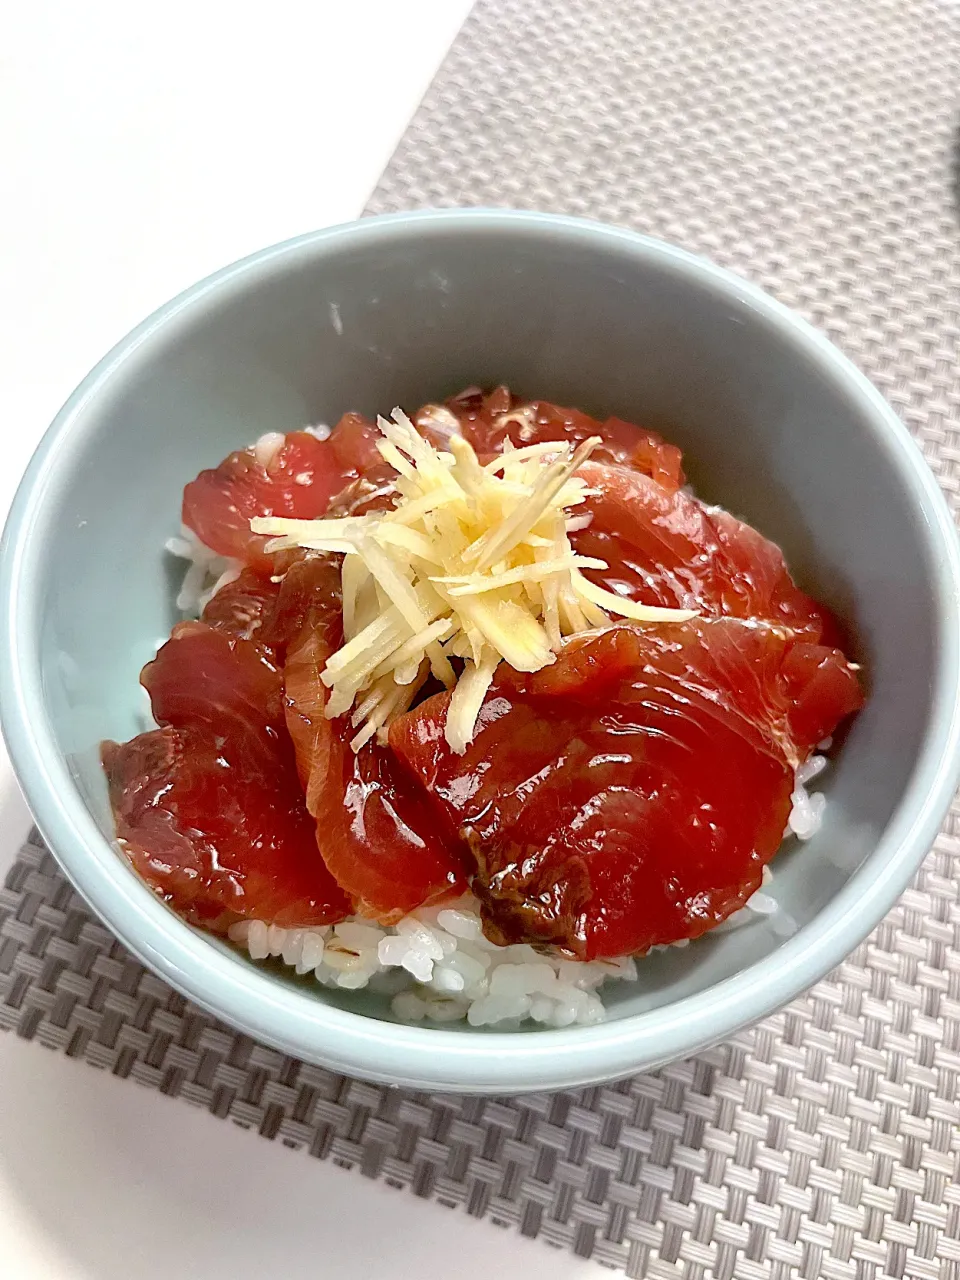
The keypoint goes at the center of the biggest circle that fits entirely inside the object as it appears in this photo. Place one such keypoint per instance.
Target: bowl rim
(416, 1056)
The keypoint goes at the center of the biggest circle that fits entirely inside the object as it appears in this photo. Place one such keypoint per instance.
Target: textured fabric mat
(808, 145)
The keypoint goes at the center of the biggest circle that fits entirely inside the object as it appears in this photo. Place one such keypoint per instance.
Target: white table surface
(144, 145)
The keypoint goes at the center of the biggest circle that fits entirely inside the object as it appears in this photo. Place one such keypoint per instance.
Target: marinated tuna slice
(354, 444)
(488, 420)
(209, 807)
(372, 491)
(296, 477)
(377, 830)
(670, 549)
(241, 606)
(206, 679)
(213, 837)
(630, 794)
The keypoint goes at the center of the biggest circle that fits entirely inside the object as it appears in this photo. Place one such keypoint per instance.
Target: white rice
(265, 450)
(206, 574)
(435, 963)
(806, 815)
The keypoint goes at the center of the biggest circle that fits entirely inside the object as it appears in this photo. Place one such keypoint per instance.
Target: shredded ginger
(472, 563)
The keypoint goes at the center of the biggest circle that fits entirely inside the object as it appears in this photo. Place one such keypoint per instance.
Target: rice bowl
(812, 455)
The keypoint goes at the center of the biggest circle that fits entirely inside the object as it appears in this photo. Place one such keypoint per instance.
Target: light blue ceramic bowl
(775, 424)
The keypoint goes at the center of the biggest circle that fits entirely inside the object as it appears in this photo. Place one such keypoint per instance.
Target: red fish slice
(630, 794)
(670, 549)
(377, 829)
(488, 420)
(209, 807)
(298, 482)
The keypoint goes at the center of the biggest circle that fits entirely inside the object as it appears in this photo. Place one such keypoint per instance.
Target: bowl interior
(412, 312)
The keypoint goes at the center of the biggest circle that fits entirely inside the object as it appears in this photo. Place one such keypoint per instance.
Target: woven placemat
(810, 146)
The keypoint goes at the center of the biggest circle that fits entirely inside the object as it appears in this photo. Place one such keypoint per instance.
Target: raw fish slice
(298, 481)
(231, 689)
(215, 842)
(209, 807)
(630, 794)
(241, 606)
(488, 420)
(377, 829)
(670, 549)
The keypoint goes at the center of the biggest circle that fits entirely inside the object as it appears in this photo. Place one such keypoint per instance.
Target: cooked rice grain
(438, 966)
(206, 574)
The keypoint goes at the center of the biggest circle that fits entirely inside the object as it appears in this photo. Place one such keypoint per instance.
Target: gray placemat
(808, 145)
